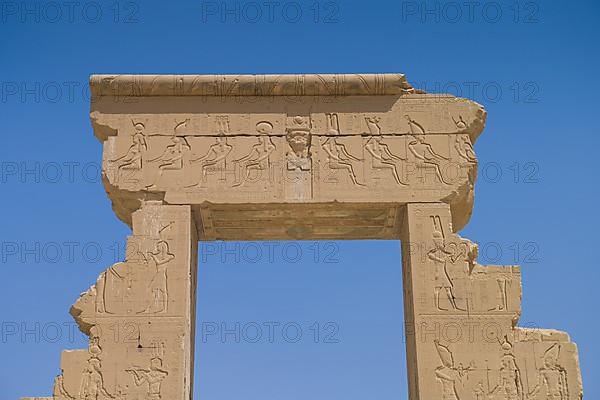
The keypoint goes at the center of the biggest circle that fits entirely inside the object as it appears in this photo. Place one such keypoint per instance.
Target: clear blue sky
(534, 66)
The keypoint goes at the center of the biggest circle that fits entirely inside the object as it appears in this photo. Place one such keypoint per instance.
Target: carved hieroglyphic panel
(139, 316)
(461, 317)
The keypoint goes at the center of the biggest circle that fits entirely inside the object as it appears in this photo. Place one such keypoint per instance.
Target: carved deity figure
(552, 377)
(510, 385)
(383, 158)
(153, 377)
(258, 159)
(92, 382)
(373, 125)
(464, 148)
(171, 158)
(414, 126)
(299, 139)
(339, 158)
(299, 158)
(133, 158)
(426, 157)
(443, 282)
(159, 295)
(447, 374)
(215, 158)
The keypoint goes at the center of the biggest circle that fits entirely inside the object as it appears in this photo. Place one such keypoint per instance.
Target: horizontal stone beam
(249, 85)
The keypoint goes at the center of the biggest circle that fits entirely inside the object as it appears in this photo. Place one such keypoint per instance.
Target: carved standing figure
(552, 376)
(158, 290)
(440, 257)
(92, 382)
(154, 376)
(448, 374)
(510, 386)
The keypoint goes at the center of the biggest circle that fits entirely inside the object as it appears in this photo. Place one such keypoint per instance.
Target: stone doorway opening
(299, 319)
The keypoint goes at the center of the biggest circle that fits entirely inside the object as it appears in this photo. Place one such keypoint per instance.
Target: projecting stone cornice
(250, 85)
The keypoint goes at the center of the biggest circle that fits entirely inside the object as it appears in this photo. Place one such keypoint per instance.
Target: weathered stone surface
(461, 317)
(139, 316)
(362, 152)
(190, 158)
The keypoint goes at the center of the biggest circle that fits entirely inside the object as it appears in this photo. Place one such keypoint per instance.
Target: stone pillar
(140, 316)
(462, 340)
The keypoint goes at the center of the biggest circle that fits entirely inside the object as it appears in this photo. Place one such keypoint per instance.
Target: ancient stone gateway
(209, 157)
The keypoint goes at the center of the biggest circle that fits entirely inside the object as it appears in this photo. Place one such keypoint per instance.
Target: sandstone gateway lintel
(279, 157)
(314, 157)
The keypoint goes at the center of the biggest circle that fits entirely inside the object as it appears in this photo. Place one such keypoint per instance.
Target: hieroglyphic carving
(92, 381)
(384, 159)
(510, 383)
(441, 257)
(173, 156)
(460, 123)
(298, 136)
(502, 294)
(94, 347)
(120, 284)
(463, 250)
(248, 85)
(298, 157)
(464, 148)
(154, 375)
(133, 158)
(338, 158)
(425, 157)
(158, 291)
(214, 160)
(448, 374)
(223, 124)
(259, 157)
(414, 127)
(373, 125)
(552, 377)
(479, 392)
(333, 124)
